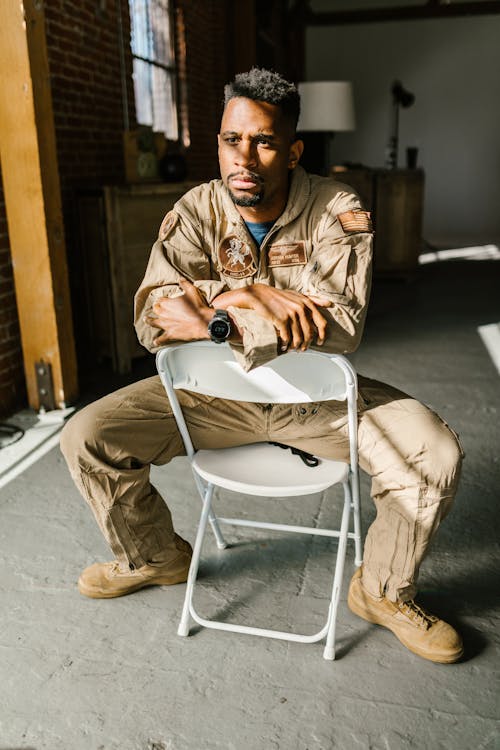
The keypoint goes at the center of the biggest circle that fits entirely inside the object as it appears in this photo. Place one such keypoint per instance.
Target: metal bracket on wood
(45, 386)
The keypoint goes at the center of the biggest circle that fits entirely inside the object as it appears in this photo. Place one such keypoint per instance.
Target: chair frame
(205, 489)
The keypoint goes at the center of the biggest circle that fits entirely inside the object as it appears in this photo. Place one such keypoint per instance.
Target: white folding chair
(260, 468)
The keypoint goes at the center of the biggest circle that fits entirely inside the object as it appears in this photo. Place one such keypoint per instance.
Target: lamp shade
(326, 106)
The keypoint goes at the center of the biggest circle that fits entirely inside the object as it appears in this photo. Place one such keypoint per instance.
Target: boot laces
(116, 570)
(419, 616)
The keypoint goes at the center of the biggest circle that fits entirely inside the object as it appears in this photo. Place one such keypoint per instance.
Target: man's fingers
(155, 322)
(295, 316)
(313, 323)
(320, 323)
(308, 328)
(187, 286)
(281, 323)
(191, 293)
(162, 339)
(163, 305)
(283, 334)
(303, 326)
(321, 301)
(298, 339)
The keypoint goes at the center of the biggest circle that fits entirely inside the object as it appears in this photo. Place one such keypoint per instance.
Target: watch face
(219, 329)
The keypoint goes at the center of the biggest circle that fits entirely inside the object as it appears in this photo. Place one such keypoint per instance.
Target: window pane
(142, 90)
(150, 30)
(139, 21)
(164, 110)
(162, 48)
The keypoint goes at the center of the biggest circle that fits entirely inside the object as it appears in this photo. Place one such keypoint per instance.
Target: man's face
(256, 152)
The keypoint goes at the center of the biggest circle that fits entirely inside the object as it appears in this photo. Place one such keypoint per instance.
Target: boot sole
(360, 611)
(100, 594)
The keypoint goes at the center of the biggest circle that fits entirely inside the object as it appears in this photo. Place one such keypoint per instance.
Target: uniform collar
(298, 196)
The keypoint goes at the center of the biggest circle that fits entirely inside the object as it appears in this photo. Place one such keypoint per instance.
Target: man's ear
(295, 153)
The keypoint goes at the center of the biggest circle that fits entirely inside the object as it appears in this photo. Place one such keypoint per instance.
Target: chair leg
(220, 541)
(358, 561)
(329, 651)
(183, 628)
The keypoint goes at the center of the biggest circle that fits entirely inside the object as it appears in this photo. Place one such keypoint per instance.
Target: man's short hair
(263, 85)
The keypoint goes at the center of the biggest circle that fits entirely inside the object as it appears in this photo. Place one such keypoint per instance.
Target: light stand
(400, 98)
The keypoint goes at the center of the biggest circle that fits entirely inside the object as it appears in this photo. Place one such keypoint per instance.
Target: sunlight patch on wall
(480, 252)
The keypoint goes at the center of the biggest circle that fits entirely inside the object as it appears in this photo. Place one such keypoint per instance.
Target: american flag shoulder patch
(355, 221)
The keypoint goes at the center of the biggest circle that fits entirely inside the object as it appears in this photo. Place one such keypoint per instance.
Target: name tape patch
(287, 254)
(356, 221)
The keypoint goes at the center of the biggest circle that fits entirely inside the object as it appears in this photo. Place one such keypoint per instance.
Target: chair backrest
(294, 377)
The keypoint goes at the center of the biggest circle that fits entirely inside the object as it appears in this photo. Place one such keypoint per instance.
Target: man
(270, 259)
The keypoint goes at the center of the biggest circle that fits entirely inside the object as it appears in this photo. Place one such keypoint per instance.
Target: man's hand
(183, 318)
(295, 316)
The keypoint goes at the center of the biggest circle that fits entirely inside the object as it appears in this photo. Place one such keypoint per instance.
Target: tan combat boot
(107, 580)
(422, 633)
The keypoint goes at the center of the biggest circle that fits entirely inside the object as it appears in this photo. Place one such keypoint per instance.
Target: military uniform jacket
(321, 244)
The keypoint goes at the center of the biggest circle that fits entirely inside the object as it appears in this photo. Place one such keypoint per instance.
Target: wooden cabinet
(395, 197)
(118, 226)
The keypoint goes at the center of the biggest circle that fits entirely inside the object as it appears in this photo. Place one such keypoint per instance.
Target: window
(154, 71)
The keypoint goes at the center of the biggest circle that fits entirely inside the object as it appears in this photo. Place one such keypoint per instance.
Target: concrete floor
(79, 674)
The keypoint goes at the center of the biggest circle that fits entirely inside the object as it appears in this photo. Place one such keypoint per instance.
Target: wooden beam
(33, 200)
(431, 9)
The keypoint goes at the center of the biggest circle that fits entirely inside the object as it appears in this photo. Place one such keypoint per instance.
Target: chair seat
(263, 469)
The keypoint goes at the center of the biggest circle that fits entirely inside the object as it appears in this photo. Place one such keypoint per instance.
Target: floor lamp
(327, 107)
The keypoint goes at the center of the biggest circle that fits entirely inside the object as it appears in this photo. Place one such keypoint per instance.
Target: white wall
(453, 68)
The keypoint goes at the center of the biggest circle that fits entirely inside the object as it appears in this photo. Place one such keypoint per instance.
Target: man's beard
(247, 201)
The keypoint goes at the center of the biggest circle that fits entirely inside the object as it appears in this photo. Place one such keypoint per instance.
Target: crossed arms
(297, 317)
(324, 304)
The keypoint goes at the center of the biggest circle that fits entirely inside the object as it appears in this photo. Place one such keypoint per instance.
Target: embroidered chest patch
(167, 225)
(235, 257)
(355, 221)
(287, 254)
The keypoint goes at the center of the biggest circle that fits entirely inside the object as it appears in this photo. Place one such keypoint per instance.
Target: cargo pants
(412, 456)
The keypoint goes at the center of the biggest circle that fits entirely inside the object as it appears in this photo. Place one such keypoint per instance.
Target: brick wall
(83, 42)
(207, 70)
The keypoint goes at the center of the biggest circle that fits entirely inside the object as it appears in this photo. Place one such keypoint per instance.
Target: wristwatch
(219, 327)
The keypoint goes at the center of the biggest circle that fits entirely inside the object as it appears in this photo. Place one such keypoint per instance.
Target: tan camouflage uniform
(321, 244)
